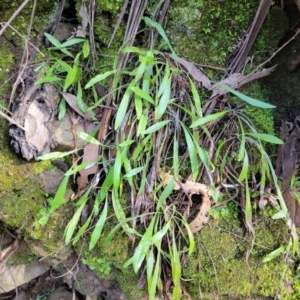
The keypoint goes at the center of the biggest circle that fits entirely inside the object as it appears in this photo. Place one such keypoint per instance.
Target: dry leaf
(90, 155)
(193, 71)
(72, 101)
(195, 188)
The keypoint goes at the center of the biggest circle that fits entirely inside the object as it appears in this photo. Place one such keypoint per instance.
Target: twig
(278, 50)
(13, 16)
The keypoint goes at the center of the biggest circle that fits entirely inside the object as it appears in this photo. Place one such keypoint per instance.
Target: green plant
(161, 141)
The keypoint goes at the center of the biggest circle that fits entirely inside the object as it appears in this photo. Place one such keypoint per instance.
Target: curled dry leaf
(195, 188)
(192, 188)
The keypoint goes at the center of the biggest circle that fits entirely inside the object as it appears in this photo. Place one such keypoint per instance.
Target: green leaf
(247, 99)
(54, 155)
(192, 152)
(62, 108)
(142, 123)
(156, 127)
(86, 49)
(196, 98)
(73, 223)
(281, 214)
(161, 233)
(126, 143)
(72, 77)
(122, 109)
(71, 42)
(99, 227)
(82, 230)
(244, 173)
(159, 29)
(45, 79)
(242, 145)
(165, 194)
(53, 40)
(133, 172)
(88, 138)
(59, 196)
(164, 100)
(143, 94)
(98, 78)
(267, 138)
(80, 167)
(274, 253)
(209, 118)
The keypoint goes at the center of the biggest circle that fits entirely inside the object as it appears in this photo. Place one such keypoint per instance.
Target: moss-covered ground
(201, 31)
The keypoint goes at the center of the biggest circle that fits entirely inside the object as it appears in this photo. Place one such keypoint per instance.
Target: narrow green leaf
(138, 106)
(122, 109)
(62, 109)
(80, 167)
(196, 98)
(161, 233)
(86, 49)
(192, 152)
(244, 173)
(165, 194)
(191, 238)
(243, 143)
(133, 172)
(72, 77)
(53, 40)
(164, 82)
(82, 230)
(117, 169)
(159, 29)
(155, 278)
(274, 254)
(73, 223)
(156, 127)
(150, 263)
(46, 79)
(142, 123)
(98, 78)
(99, 227)
(59, 196)
(164, 100)
(86, 137)
(209, 118)
(143, 94)
(126, 143)
(63, 66)
(266, 137)
(280, 215)
(247, 99)
(176, 270)
(54, 155)
(71, 42)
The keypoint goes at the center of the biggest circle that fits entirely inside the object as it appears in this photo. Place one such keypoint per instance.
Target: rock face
(35, 111)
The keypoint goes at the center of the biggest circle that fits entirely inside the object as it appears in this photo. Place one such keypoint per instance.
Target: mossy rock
(219, 269)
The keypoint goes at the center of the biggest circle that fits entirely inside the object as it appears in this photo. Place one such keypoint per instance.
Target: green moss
(205, 32)
(219, 269)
